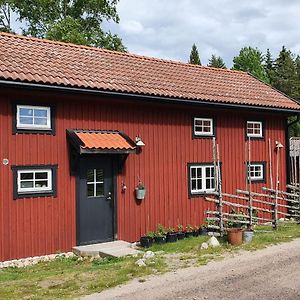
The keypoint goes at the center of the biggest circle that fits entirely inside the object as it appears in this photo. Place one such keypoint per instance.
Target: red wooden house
(72, 119)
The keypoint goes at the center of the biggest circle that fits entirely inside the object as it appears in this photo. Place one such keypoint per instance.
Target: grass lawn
(71, 277)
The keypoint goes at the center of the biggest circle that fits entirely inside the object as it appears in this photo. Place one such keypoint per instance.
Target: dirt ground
(271, 273)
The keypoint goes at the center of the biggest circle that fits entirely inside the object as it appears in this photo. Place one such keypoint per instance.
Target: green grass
(68, 278)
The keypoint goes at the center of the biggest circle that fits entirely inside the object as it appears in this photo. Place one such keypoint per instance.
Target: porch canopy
(101, 141)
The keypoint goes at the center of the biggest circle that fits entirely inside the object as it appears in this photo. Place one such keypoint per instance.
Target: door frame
(114, 164)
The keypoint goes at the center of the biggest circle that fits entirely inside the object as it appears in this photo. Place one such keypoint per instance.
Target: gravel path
(271, 273)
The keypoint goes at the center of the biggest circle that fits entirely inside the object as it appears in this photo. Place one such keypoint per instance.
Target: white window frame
(203, 179)
(34, 189)
(33, 126)
(256, 166)
(204, 133)
(94, 183)
(257, 135)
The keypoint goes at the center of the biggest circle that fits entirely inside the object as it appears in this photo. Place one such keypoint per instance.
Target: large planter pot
(248, 236)
(160, 239)
(140, 194)
(188, 234)
(180, 235)
(172, 237)
(235, 236)
(146, 241)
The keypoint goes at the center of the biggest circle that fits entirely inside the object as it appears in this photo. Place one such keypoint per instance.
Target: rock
(134, 245)
(204, 246)
(213, 242)
(140, 263)
(148, 254)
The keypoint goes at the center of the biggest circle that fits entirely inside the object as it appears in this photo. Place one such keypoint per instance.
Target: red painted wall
(44, 225)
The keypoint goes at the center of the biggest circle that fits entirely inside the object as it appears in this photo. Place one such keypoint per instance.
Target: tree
(269, 66)
(74, 21)
(251, 60)
(285, 75)
(194, 56)
(5, 16)
(216, 62)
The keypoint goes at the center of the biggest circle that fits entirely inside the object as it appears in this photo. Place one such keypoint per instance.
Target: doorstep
(112, 249)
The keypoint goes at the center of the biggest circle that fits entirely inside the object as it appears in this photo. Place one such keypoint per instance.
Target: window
(30, 181)
(203, 127)
(95, 183)
(33, 119)
(255, 129)
(201, 178)
(256, 171)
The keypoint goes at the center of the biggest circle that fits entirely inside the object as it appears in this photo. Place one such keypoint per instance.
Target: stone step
(112, 249)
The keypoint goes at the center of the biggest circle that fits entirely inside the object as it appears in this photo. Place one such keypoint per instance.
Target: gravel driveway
(271, 273)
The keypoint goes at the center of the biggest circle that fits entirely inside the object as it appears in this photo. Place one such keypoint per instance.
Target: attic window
(255, 129)
(203, 127)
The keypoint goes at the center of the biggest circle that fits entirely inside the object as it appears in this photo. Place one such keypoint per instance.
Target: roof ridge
(66, 44)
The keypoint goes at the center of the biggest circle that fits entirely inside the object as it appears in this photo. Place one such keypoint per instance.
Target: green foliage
(74, 21)
(216, 62)
(5, 16)
(251, 60)
(194, 56)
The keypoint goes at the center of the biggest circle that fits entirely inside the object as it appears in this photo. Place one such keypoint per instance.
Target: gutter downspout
(287, 142)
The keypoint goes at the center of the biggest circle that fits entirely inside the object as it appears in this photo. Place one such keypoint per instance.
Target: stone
(148, 254)
(141, 263)
(213, 242)
(204, 246)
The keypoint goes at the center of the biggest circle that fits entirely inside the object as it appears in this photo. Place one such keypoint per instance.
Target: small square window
(33, 119)
(203, 127)
(256, 171)
(201, 178)
(254, 129)
(34, 181)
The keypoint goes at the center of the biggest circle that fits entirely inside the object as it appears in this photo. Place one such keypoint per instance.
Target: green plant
(179, 227)
(161, 231)
(237, 219)
(171, 230)
(189, 227)
(150, 234)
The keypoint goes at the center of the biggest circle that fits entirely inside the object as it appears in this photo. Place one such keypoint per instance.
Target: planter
(146, 241)
(248, 236)
(160, 239)
(235, 236)
(180, 235)
(195, 232)
(188, 234)
(172, 237)
(140, 194)
(203, 231)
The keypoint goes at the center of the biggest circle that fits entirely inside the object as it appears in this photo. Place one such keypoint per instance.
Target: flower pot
(140, 194)
(171, 237)
(235, 236)
(180, 235)
(203, 231)
(248, 236)
(196, 232)
(146, 241)
(160, 239)
(188, 234)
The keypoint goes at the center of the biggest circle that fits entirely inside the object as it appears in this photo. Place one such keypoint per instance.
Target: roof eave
(161, 99)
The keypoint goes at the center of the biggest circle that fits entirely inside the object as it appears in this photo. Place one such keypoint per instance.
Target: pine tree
(216, 62)
(269, 66)
(194, 56)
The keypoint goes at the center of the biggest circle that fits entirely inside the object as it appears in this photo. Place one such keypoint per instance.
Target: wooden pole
(220, 192)
(250, 185)
(270, 164)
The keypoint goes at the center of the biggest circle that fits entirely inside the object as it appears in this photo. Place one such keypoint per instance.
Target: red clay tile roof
(55, 63)
(103, 140)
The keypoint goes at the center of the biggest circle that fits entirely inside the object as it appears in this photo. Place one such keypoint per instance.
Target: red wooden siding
(45, 225)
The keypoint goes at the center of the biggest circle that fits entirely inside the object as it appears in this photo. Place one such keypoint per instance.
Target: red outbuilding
(81, 128)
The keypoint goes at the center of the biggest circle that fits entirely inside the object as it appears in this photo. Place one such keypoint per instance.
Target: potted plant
(147, 240)
(234, 228)
(180, 233)
(140, 191)
(160, 235)
(195, 230)
(203, 229)
(188, 230)
(171, 235)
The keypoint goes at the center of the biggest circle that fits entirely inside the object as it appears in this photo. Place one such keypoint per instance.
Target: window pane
(194, 187)
(40, 121)
(193, 172)
(99, 175)
(208, 186)
(39, 184)
(40, 113)
(199, 173)
(90, 176)
(41, 175)
(27, 184)
(90, 190)
(99, 189)
(26, 112)
(199, 183)
(26, 176)
(26, 120)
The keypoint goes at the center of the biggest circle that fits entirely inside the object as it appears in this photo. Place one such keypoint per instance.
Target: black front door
(95, 203)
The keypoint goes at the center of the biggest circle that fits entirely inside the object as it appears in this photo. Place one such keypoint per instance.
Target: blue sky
(168, 28)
